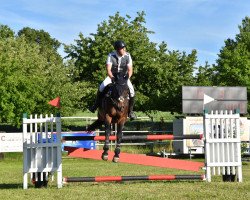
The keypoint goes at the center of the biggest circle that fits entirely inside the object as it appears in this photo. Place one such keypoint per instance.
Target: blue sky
(183, 24)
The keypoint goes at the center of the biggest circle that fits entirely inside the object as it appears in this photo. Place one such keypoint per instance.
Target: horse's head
(120, 92)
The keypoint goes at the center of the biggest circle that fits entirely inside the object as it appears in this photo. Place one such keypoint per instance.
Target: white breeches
(108, 81)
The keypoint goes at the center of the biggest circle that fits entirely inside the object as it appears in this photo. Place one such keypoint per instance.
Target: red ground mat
(138, 159)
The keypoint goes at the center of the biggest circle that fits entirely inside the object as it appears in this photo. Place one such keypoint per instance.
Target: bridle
(120, 99)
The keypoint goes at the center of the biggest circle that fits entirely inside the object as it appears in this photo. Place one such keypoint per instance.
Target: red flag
(55, 102)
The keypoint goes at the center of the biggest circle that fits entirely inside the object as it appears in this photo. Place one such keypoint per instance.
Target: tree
(158, 73)
(90, 53)
(6, 32)
(29, 81)
(205, 75)
(41, 37)
(233, 64)
(48, 46)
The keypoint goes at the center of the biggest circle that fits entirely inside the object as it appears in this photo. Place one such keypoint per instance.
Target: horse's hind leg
(118, 144)
(106, 144)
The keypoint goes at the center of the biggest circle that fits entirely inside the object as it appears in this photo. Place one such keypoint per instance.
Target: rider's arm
(130, 71)
(108, 67)
(130, 67)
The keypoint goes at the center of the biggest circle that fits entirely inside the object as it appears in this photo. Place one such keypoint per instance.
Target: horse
(113, 109)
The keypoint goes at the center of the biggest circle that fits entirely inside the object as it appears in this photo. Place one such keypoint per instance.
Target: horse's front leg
(120, 126)
(107, 134)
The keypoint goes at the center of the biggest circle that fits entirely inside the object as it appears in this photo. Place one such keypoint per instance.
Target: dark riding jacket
(119, 64)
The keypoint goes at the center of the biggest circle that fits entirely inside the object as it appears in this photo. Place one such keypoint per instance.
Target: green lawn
(11, 183)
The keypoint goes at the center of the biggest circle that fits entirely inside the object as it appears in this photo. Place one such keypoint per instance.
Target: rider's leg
(100, 94)
(97, 102)
(131, 114)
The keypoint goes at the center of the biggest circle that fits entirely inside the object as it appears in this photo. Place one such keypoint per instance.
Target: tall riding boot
(97, 102)
(131, 114)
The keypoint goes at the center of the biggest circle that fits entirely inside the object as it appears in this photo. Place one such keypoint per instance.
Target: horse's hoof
(115, 159)
(105, 157)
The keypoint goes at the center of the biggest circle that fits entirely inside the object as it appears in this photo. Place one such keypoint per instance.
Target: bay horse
(113, 109)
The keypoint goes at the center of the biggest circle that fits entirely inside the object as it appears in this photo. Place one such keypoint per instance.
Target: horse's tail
(96, 124)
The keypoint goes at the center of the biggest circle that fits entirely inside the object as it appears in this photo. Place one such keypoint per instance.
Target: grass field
(11, 176)
(11, 183)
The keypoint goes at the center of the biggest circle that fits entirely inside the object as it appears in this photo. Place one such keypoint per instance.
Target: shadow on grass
(10, 186)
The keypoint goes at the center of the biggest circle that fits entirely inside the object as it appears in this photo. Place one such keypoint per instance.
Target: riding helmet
(119, 44)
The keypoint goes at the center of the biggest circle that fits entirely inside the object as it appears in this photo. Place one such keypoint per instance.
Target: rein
(115, 104)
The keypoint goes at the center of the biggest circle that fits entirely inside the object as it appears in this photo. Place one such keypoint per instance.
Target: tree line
(33, 72)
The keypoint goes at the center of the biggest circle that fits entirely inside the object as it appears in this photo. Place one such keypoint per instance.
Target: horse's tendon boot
(105, 156)
(105, 151)
(116, 156)
(116, 159)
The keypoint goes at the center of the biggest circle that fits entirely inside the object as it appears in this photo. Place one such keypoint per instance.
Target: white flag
(207, 99)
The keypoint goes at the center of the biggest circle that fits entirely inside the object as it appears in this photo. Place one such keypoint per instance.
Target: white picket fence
(42, 148)
(222, 144)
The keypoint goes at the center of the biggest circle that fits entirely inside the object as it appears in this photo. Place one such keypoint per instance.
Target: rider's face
(121, 52)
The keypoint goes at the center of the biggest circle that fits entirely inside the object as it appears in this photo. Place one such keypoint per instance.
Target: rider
(118, 61)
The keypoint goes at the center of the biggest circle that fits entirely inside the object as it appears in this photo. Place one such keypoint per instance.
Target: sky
(184, 25)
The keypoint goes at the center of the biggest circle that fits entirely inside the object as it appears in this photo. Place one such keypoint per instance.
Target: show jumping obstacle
(223, 145)
(133, 178)
(42, 153)
(133, 137)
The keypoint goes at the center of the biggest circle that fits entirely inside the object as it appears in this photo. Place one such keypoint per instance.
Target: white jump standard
(42, 151)
(222, 145)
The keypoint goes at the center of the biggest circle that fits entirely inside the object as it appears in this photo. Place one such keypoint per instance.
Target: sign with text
(225, 98)
(11, 142)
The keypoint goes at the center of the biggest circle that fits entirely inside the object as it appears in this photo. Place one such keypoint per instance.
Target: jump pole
(133, 178)
(134, 137)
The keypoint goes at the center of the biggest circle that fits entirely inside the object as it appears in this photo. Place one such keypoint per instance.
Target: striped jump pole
(133, 178)
(134, 137)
